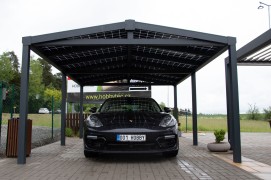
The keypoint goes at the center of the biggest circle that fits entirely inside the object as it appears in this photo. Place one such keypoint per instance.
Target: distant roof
(257, 52)
(128, 51)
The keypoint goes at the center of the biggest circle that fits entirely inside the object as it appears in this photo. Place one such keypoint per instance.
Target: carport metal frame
(254, 47)
(254, 53)
(181, 39)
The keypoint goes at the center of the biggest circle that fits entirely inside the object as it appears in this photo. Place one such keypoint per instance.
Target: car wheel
(171, 153)
(89, 154)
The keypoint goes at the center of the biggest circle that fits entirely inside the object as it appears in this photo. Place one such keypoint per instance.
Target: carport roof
(128, 51)
(257, 52)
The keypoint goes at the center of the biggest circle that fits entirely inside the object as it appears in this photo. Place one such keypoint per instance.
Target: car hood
(131, 119)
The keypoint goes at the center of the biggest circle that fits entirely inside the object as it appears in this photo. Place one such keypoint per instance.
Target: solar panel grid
(143, 57)
(54, 48)
(170, 53)
(90, 53)
(147, 34)
(114, 34)
(160, 62)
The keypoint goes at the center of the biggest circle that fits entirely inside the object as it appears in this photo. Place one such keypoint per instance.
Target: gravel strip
(40, 136)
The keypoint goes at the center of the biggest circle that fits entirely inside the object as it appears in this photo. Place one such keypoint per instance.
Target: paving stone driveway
(68, 162)
(256, 146)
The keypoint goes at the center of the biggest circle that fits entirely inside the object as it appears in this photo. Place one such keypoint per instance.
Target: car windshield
(133, 105)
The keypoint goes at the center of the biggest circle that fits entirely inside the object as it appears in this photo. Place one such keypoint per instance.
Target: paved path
(256, 152)
(68, 162)
(256, 146)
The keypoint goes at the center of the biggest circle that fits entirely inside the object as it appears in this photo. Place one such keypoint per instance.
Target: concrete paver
(68, 162)
(256, 152)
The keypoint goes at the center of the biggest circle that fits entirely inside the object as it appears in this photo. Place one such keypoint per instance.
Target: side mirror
(93, 109)
(167, 109)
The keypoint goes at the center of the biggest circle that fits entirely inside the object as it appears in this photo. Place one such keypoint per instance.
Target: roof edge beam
(121, 71)
(130, 25)
(182, 32)
(113, 42)
(76, 32)
(254, 45)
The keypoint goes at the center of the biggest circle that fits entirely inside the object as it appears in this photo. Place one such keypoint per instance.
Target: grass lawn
(212, 122)
(205, 122)
(38, 119)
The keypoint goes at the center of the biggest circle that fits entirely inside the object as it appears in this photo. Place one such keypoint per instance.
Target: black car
(130, 125)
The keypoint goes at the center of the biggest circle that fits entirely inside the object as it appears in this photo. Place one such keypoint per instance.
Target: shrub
(219, 135)
(253, 112)
(68, 132)
(267, 113)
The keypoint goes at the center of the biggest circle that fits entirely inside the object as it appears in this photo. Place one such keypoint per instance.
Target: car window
(122, 105)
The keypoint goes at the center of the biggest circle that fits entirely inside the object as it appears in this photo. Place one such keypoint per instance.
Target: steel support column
(234, 100)
(21, 152)
(81, 113)
(63, 109)
(194, 109)
(175, 112)
(229, 103)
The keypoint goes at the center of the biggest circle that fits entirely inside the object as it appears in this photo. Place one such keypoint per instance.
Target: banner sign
(97, 94)
(100, 97)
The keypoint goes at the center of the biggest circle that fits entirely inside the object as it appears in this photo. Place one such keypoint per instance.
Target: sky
(238, 18)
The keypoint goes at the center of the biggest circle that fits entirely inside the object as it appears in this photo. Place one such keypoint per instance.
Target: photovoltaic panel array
(95, 58)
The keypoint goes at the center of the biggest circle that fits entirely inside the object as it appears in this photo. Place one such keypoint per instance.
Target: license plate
(131, 137)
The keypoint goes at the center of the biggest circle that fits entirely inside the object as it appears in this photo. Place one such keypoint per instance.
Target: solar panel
(80, 61)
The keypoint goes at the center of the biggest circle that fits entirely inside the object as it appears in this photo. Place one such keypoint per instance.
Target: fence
(72, 121)
(10, 98)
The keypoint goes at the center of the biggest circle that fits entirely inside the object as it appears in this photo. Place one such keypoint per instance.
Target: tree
(48, 94)
(14, 61)
(36, 87)
(6, 71)
(57, 81)
(15, 67)
(189, 112)
(47, 76)
(253, 112)
(267, 113)
(10, 57)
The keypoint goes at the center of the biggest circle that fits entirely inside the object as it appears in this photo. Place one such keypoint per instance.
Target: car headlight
(93, 121)
(168, 121)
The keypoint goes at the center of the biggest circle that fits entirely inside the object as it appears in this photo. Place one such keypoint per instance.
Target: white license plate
(131, 137)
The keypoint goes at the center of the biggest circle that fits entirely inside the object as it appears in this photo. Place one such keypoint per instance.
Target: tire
(171, 153)
(90, 154)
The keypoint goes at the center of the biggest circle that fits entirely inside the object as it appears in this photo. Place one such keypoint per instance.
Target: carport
(155, 55)
(257, 52)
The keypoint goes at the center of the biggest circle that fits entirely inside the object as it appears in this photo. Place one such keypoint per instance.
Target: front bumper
(157, 141)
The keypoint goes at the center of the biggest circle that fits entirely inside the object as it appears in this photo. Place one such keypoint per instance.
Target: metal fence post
(186, 121)
(52, 117)
(12, 101)
(1, 107)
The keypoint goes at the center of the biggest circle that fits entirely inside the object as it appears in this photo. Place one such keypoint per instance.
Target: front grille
(95, 144)
(110, 144)
(166, 143)
(131, 146)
